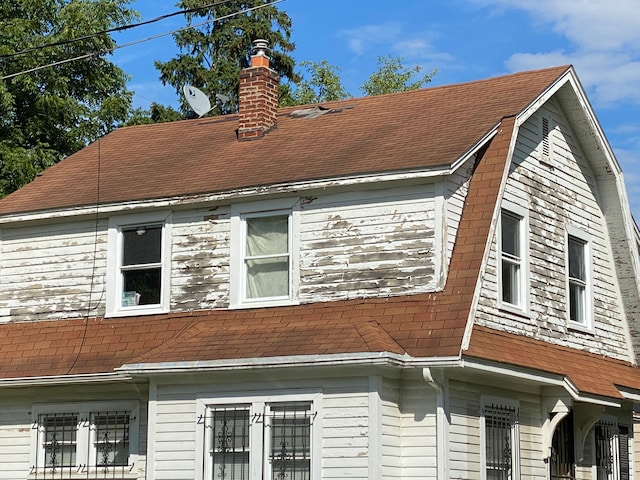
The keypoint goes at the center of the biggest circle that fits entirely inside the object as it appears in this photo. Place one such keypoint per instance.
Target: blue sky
(463, 39)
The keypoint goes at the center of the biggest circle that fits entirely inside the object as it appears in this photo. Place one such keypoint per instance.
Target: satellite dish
(222, 98)
(197, 100)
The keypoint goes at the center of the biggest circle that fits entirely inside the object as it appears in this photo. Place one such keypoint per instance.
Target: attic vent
(545, 138)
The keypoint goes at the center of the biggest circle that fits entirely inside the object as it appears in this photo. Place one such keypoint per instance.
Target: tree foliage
(213, 52)
(392, 76)
(320, 82)
(50, 113)
(157, 113)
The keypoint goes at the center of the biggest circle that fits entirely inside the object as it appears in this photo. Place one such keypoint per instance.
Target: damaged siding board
(558, 192)
(68, 263)
(371, 243)
(200, 260)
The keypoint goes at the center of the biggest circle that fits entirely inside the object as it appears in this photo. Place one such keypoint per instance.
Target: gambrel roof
(431, 129)
(413, 131)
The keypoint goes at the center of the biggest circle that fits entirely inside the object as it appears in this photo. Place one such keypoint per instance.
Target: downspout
(436, 380)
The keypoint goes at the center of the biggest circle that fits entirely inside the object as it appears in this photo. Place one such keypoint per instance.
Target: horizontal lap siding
(364, 243)
(15, 442)
(200, 260)
(557, 192)
(368, 244)
(345, 426)
(465, 454)
(53, 271)
(418, 421)
(16, 423)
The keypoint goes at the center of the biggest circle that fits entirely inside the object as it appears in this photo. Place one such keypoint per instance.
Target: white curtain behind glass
(267, 256)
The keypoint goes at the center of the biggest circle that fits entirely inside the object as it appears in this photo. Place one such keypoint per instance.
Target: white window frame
(585, 239)
(237, 276)
(488, 402)
(259, 441)
(85, 456)
(523, 301)
(115, 246)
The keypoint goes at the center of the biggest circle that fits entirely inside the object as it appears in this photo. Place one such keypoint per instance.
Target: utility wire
(111, 30)
(153, 37)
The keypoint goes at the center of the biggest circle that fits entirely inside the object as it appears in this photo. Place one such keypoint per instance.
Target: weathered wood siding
(465, 454)
(16, 422)
(53, 271)
(368, 243)
(557, 191)
(356, 244)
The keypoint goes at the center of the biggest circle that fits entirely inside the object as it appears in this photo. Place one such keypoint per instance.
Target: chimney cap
(260, 47)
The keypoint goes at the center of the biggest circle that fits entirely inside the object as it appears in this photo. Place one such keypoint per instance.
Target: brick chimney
(258, 96)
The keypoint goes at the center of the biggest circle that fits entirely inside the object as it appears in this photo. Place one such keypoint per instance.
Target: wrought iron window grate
(612, 451)
(62, 436)
(499, 425)
(284, 430)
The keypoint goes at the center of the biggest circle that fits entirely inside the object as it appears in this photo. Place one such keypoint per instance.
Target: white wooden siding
(465, 444)
(16, 424)
(368, 244)
(363, 243)
(557, 192)
(345, 424)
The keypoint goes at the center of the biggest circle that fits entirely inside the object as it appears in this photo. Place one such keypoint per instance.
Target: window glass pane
(268, 277)
(112, 438)
(230, 443)
(141, 287)
(510, 235)
(577, 302)
(510, 279)
(267, 235)
(142, 245)
(60, 439)
(291, 442)
(576, 259)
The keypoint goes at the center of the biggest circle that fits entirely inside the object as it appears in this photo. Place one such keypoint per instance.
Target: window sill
(513, 310)
(82, 475)
(136, 311)
(580, 327)
(264, 303)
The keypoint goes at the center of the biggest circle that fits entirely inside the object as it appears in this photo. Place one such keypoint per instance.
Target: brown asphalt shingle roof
(168, 159)
(413, 130)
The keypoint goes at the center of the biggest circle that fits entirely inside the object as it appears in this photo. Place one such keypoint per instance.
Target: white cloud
(363, 39)
(604, 43)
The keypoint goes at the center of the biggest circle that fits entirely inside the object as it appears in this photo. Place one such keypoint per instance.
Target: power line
(111, 30)
(153, 37)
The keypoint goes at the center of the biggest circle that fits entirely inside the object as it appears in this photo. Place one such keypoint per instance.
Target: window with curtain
(267, 256)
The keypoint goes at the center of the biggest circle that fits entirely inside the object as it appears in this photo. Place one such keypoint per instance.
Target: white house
(436, 284)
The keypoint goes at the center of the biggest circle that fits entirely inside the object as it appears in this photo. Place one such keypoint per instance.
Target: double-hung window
(87, 439)
(138, 265)
(501, 441)
(263, 255)
(611, 443)
(275, 440)
(578, 278)
(513, 258)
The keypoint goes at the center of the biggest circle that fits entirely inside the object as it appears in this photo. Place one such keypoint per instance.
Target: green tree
(213, 52)
(392, 76)
(155, 114)
(322, 84)
(52, 112)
